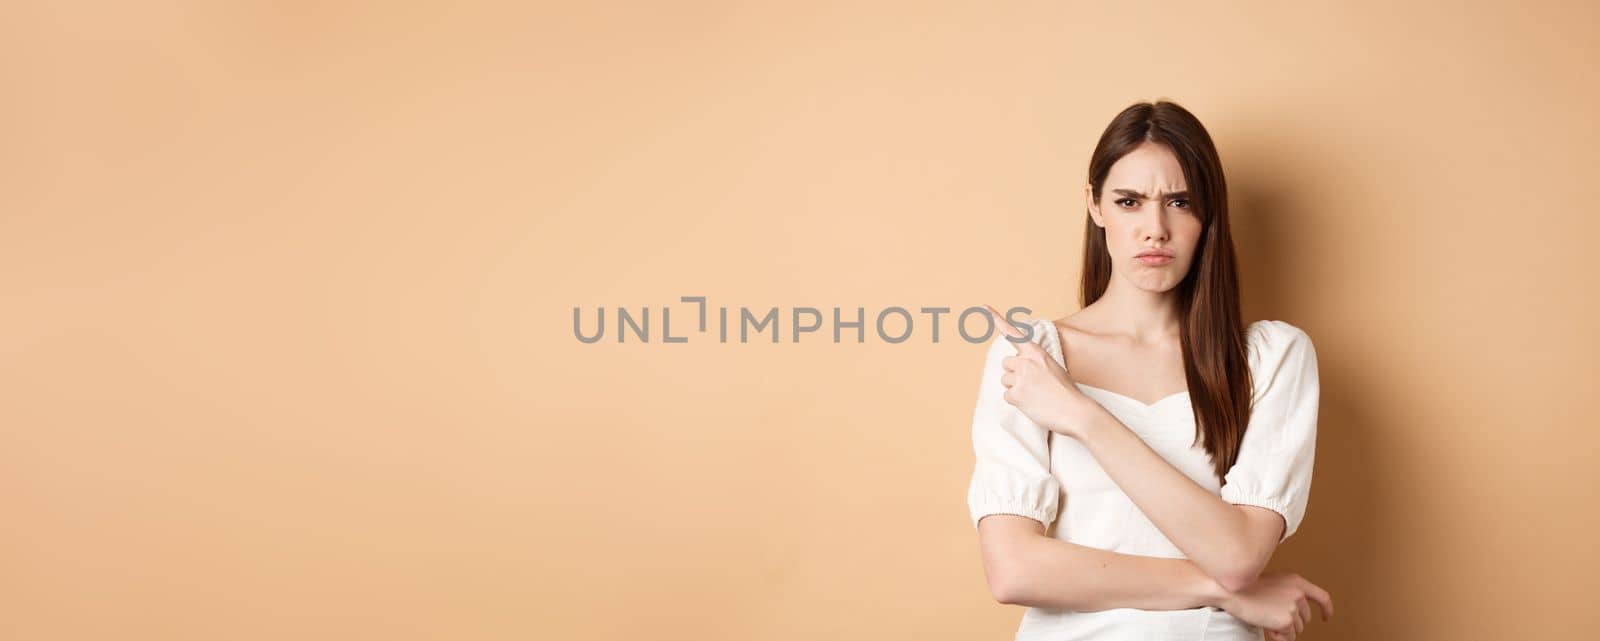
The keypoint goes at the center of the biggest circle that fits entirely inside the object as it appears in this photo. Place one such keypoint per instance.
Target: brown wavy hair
(1214, 344)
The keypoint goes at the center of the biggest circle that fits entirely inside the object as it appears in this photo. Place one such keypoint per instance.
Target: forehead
(1149, 168)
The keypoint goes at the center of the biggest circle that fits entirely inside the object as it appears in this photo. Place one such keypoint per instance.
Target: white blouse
(1024, 469)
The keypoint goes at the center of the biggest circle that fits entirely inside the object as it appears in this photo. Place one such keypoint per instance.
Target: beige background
(288, 287)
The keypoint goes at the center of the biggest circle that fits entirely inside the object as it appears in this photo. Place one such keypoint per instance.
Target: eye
(1181, 202)
(1126, 200)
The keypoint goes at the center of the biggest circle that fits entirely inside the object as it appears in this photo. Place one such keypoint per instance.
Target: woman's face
(1145, 206)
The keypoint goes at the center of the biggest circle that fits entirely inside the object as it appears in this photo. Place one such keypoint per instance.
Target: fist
(1037, 385)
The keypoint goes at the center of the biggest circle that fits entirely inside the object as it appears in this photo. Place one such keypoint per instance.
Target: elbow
(1008, 582)
(1005, 582)
(1235, 581)
(999, 591)
(1007, 546)
(1243, 566)
(1261, 529)
(1239, 575)
(1006, 589)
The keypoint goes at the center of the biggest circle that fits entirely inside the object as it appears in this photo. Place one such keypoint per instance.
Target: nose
(1155, 227)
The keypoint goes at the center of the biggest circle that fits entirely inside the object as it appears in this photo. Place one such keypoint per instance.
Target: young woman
(1139, 461)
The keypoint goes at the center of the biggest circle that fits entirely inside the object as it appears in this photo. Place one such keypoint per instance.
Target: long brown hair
(1215, 362)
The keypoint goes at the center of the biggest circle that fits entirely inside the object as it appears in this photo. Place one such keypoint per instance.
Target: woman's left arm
(1232, 536)
(1231, 543)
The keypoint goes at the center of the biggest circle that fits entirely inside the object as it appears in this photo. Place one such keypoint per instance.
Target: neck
(1141, 314)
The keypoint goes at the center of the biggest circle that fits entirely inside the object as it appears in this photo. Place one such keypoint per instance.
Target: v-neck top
(1024, 469)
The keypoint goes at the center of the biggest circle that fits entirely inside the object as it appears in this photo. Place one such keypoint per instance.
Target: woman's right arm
(1026, 567)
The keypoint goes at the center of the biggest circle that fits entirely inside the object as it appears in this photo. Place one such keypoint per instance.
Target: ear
(1094, 207)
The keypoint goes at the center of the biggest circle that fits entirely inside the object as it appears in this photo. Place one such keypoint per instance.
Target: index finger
(1000, 321)
(1323, 599)
(1020, 340)
(1005, 326)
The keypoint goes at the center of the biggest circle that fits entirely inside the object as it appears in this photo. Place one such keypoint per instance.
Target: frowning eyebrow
(1134, 194)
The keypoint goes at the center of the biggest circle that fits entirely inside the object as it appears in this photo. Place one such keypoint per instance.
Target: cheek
(1117, 232)
(1188, 234)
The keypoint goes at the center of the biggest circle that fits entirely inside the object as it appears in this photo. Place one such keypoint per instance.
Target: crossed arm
(1026, 567)
(1227, 545)
(1230, 543)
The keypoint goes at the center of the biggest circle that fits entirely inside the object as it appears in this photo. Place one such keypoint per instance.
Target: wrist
(1068, 419)
(1211, 593)
(1090, 421)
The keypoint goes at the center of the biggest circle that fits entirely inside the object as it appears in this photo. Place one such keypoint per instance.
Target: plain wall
(288, 346)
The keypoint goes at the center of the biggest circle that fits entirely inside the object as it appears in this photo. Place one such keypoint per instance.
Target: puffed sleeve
(1275, 458)
(1012, 470)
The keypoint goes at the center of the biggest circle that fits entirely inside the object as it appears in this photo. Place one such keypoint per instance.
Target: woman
(1173, 490)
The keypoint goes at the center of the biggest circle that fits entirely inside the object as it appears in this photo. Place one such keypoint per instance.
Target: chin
(1153, 286)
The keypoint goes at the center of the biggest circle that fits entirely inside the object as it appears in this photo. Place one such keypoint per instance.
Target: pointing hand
(1037, 385)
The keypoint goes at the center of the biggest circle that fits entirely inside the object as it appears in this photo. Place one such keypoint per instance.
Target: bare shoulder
(1072, 326)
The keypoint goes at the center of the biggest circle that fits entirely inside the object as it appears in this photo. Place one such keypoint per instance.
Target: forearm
(1060, 574)
(1212, 533)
